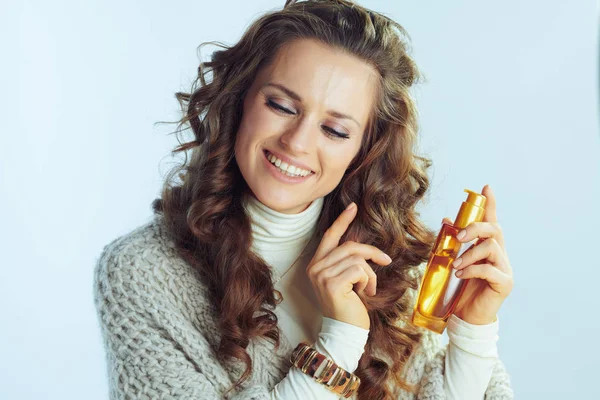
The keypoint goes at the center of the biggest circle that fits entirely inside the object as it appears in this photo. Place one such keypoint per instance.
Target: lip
(290, 161)
(282, 177)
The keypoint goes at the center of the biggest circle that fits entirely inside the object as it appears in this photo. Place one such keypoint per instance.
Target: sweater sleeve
(342, 342)
(434, 382)
(470, 358)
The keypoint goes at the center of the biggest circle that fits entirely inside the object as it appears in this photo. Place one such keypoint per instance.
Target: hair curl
(204, 211)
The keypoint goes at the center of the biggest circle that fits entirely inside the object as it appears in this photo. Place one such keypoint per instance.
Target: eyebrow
(297, 97)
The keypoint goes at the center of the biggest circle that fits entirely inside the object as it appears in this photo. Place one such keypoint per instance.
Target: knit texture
(160, 333)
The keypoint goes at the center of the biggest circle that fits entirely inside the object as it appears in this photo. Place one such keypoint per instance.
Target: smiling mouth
(286, 172)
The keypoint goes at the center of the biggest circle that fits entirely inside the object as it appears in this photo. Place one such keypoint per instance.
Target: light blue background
(511, 100)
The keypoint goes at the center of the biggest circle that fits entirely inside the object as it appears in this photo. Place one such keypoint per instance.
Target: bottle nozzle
(471, 210)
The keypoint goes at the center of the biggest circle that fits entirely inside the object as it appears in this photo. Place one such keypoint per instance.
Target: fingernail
(388, 257)
(351, 206)
(457, 262)
(459, 273)
(461, 234)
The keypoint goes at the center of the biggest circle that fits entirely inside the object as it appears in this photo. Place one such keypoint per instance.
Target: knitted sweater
(160, 334)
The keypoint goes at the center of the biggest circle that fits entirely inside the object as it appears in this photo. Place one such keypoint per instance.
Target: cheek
(242, 146)
(254, 126)
(239, 139)
(245, 134)
(336, 162)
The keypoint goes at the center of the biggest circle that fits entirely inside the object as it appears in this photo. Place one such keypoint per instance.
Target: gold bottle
(440, 289)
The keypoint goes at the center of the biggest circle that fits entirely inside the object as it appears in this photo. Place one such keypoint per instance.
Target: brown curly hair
(204, 211)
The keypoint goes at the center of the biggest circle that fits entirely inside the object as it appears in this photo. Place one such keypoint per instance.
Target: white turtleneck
(279, 239)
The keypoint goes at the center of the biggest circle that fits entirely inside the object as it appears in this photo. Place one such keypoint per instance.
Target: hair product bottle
(440, 289)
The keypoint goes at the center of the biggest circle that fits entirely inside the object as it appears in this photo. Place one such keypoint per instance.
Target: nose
(299, 138)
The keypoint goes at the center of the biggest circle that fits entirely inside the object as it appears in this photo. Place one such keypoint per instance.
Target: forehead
(325, 77)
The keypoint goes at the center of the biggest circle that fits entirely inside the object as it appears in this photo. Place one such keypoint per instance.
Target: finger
(447, 220)
(348, 278)
(488, 250)
(350, 248)
(331, 237)
(497, 280)
(490, 204)
(482, 230)
(335, 270)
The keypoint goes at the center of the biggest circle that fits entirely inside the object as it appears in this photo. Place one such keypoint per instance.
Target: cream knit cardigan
(160, 335)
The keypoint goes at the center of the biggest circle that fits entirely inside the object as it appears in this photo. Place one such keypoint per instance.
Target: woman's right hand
(335, 269)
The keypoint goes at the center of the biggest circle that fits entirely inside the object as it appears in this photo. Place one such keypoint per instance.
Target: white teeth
(289, 170)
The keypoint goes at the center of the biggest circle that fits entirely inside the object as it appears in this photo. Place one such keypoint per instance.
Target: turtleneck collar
(273, 228)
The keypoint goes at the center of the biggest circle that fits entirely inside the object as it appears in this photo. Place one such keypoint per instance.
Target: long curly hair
(203, 208)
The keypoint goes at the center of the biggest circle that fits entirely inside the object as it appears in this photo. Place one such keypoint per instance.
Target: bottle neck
(468, 214)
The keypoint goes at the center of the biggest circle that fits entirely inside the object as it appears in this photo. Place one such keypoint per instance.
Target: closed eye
(278, 107)
(282, 110)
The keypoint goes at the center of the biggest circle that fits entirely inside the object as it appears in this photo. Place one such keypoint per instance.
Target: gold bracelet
(308, 360)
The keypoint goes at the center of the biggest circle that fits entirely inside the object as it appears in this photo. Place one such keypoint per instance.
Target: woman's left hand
(487, 267)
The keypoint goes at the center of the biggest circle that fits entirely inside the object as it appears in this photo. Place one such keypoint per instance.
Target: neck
(273, 229)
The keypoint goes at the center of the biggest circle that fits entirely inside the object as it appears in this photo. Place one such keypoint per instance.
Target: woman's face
(308, 109)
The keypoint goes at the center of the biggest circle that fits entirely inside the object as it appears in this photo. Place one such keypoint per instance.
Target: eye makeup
(281, 109)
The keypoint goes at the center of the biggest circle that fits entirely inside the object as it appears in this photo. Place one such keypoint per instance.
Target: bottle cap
(471, 210)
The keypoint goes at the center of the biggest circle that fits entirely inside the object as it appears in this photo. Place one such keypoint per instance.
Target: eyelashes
(282, 110)
(278, 107)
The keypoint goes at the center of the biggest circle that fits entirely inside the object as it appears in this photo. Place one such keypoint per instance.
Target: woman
(295, 221)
